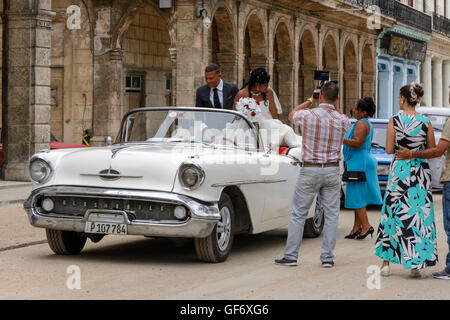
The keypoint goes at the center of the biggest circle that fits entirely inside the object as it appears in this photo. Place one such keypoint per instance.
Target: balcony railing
(412, 17)
(441, 24)
(387, 7)
(399, 11)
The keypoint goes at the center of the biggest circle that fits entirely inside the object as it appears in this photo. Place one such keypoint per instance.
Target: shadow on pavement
(162, 250)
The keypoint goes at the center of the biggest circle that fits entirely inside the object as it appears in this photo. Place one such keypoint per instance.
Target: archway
(254, 46)
(350, 85)
(307, 65)
(223, 50)
(146, 63)
(330, 57)
(282, 71)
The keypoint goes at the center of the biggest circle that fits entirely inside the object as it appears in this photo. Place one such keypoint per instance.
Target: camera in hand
(322, 76)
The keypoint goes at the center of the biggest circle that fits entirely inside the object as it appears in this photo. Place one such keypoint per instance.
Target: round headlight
(191, 176)
(40, 170)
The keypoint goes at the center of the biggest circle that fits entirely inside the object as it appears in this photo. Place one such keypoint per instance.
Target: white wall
(418, 4)
(440, 7)
(429, 6)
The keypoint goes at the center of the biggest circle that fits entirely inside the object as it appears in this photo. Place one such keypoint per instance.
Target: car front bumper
(200, 221)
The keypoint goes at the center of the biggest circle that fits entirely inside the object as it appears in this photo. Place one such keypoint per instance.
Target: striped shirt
(323, 131)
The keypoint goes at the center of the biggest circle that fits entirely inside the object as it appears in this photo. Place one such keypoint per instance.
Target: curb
(14, 192)
(4, 203)
(15, 185)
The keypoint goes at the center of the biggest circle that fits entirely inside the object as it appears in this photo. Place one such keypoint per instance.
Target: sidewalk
(14, 192)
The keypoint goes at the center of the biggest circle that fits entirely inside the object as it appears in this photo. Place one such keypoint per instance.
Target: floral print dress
(406, 232)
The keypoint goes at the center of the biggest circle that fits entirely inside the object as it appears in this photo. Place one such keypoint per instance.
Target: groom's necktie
(216, 100)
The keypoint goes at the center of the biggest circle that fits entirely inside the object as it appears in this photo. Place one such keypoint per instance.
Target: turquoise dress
(362, 193)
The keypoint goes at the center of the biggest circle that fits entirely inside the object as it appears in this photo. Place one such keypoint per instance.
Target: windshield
(380, 130)
(181, 125)
(379, 135)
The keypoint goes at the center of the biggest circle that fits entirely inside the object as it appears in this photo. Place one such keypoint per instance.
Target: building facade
(415, 48)
(75, 65)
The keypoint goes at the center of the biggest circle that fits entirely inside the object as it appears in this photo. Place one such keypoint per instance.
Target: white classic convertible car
(172, 172)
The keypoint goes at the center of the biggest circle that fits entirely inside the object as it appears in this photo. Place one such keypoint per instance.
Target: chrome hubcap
(318, 215)
(224, 229)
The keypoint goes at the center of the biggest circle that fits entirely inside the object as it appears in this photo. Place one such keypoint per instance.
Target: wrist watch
(310, 100)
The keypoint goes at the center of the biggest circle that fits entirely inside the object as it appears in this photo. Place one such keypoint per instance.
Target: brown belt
(321, 165)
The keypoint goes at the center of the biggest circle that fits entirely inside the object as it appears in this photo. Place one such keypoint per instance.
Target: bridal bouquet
(250, 108)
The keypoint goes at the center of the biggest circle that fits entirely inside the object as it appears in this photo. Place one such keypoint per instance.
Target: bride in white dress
(273, 131)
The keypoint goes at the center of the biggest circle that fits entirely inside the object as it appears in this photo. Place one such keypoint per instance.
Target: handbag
(354, 176)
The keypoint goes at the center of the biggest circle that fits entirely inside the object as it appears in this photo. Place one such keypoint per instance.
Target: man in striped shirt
(323, 129)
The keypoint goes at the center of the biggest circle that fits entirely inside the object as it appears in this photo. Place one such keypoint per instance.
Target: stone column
(446, 83)
(296, 75)
(26, 84)
(107, 111)
(192, 52)
(228, 64)
(368, 84)
(173, 59)
(426, 80)
(350, 91)
(115, 91)
(437, 83)
(359, 68)
(285, 88)
(307, 72)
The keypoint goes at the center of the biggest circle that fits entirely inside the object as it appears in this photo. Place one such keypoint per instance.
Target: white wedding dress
(275, 133)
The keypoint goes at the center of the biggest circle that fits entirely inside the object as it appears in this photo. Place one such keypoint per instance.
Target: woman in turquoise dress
(357, 157)
(407, 233)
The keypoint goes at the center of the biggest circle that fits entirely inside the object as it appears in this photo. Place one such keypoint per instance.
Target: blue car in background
(379, 151)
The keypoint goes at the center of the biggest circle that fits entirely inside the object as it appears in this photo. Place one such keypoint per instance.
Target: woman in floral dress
(406, 232)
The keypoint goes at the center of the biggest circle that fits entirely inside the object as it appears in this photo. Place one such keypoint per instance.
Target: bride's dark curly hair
(258, 75)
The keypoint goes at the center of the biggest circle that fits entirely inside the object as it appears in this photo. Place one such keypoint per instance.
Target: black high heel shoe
(363, 236)
(353, 235)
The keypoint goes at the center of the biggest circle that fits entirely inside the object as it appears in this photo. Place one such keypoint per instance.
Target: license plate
(105, 228)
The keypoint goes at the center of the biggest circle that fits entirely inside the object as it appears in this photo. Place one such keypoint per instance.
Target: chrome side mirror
(108, 141)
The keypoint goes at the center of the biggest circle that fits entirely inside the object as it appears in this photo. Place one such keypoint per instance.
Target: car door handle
(295, 163)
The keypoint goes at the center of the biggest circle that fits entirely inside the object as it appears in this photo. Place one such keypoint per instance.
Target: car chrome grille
(136, 209)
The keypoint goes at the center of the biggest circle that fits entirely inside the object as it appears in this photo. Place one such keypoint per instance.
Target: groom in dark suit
(216, 93)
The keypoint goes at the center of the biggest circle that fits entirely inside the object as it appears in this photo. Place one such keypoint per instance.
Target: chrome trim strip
(233, 183)
(112, 175)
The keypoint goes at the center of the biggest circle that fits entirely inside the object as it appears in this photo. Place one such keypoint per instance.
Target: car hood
(142, 167)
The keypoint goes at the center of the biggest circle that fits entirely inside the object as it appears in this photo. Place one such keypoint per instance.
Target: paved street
(141, 268)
